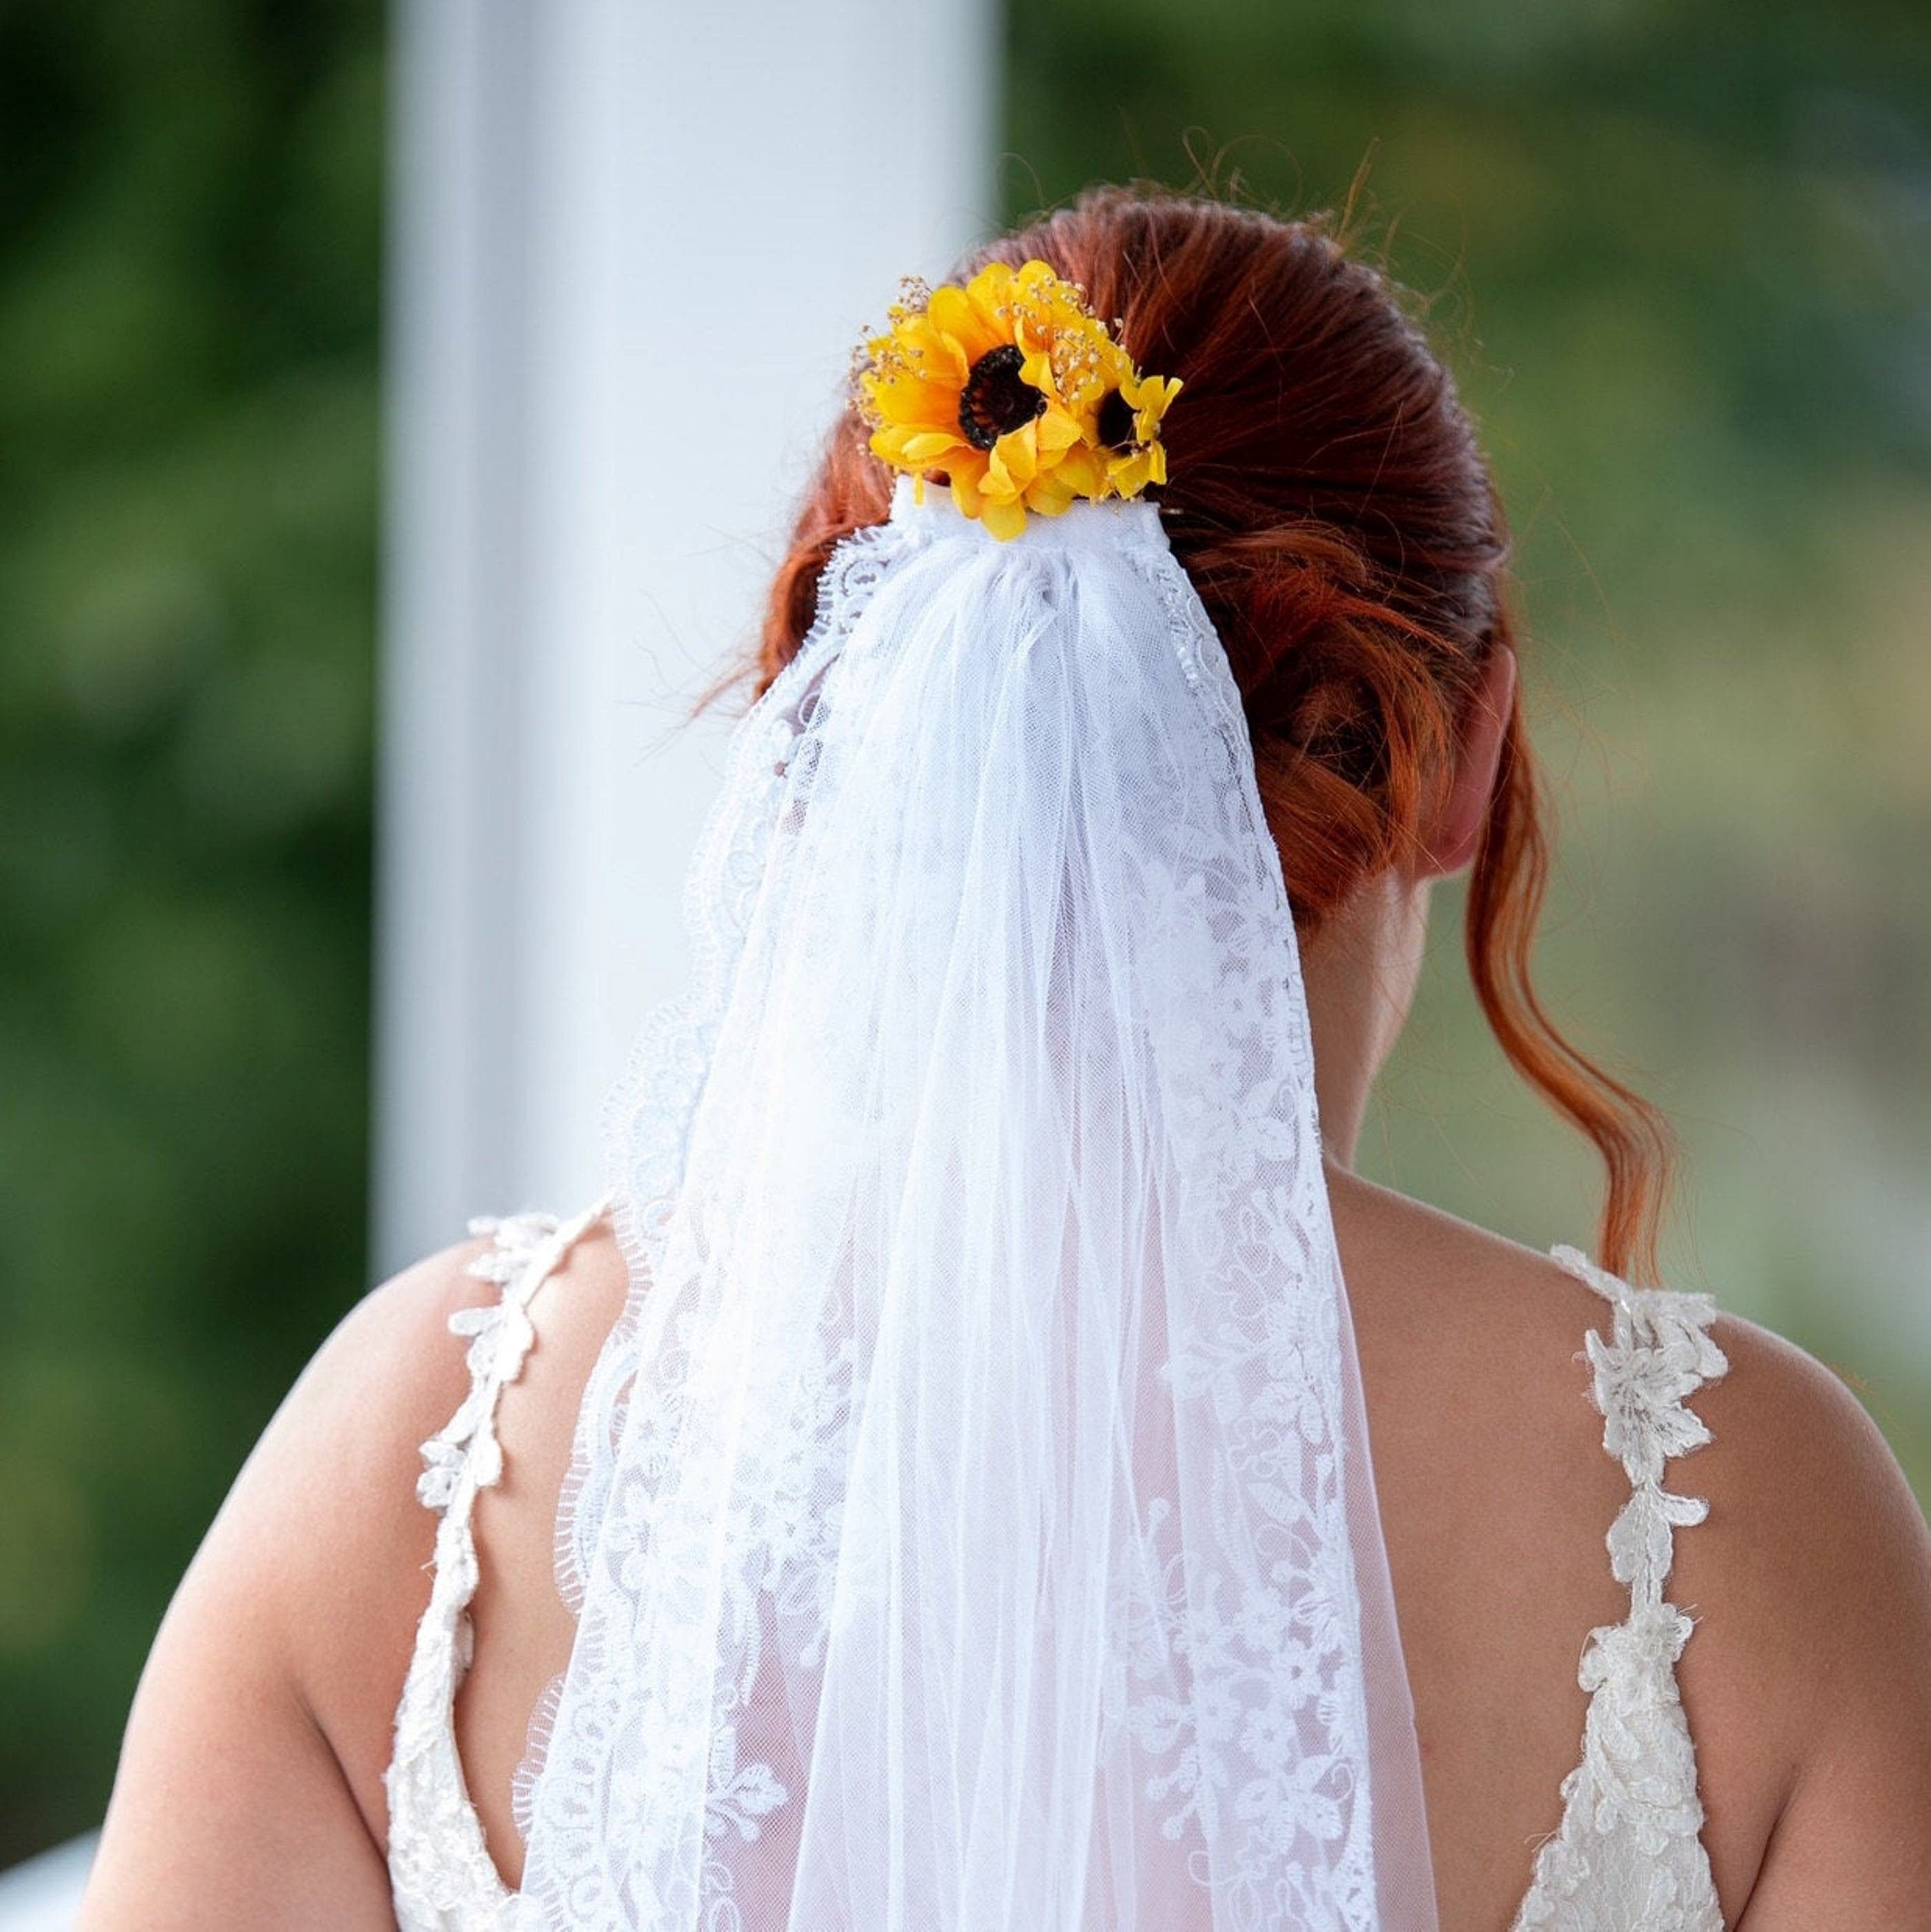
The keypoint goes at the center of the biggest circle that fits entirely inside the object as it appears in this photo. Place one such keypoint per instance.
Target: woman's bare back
(1496, 1494)
(1809, 1582)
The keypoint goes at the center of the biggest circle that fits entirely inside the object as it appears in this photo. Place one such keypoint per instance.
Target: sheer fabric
(973, 1523)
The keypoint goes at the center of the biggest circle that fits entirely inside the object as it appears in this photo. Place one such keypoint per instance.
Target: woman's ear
(1450, 841)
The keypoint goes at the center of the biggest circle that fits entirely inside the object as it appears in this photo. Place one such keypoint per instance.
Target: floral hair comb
(1014, 391)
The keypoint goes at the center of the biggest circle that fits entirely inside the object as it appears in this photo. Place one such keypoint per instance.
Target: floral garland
(1015, 393)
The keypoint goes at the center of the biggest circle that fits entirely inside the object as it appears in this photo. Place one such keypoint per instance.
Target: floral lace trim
(647, 1116)
(1629, 1851)
(441, 1874)
(646, 1121)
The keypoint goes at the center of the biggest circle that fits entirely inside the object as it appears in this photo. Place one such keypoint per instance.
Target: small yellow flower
(1136, 456)
(1014, 393)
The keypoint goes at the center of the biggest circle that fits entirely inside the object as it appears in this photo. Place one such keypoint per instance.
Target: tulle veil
(972, 1524)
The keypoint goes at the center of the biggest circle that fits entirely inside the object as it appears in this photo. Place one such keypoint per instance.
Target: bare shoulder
(1808, 1506)
(269, 1686)
(1811, 1582)
(323, 1527)
(391, 1377)
(330, 1503)
(1807, 1681)
(345, 1529)
(1814, 1548)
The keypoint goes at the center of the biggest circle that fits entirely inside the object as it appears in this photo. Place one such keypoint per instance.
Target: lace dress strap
(1629, 1851)
(440, 1869)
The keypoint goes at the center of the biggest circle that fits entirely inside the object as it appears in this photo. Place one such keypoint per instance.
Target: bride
(932, 1489)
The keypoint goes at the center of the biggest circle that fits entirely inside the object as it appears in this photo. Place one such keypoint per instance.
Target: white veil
(973, 1526)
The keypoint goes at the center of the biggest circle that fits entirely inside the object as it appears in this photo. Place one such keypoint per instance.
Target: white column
(631, 246)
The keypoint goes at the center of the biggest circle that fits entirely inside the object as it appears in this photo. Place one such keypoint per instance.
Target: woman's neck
(1360, 969)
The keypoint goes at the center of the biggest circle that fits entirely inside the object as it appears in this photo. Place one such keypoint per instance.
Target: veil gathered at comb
(973, 1526)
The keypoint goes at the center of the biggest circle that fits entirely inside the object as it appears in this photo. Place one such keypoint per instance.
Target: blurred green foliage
(190, 201)
(1679, 254)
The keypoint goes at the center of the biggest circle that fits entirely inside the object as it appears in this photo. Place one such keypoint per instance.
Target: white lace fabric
(1627, 1855)
(441, 1874)
(1629, 1852)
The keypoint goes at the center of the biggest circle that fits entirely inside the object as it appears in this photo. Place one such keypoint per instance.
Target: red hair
(1330, 502)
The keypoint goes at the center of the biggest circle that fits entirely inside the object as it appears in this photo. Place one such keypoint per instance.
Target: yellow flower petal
(991, 291)
(928, 446)
(1149, 399)
(1014, 460)
(954, 313)
(1005, 520)
(1058, 429)
(941, 352)
(996, 487)
(913, 447)
(1037, 369)
(1050, 497)
(1128, 475)
(1083, 470)
(912, 402)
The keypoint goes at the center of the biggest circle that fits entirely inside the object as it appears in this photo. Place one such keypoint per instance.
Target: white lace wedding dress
(1627, 1856)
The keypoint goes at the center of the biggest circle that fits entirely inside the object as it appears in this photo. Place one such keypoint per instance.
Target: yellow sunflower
(1013, 392)
(1129, 430)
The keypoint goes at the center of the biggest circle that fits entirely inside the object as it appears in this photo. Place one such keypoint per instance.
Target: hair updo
(1331, 504)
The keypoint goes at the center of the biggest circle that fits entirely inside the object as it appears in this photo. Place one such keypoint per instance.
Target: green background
(1677, 254)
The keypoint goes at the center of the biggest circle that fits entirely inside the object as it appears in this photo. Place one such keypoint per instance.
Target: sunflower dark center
(1115, 421)
(996, 398)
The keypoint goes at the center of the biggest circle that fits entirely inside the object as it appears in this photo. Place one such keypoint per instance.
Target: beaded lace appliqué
(1628, 1853)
